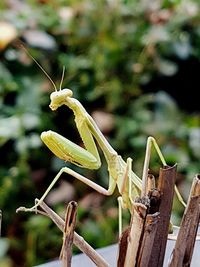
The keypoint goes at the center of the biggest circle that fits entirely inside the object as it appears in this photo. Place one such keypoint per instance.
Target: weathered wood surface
(165, 186)
(183, 251)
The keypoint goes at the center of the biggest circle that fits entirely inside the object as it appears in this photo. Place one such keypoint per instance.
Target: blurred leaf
(167, 68)
(8, 33)
(39, 39)
(4, 245)
(183, 49)
(9, 128)
(194, 141)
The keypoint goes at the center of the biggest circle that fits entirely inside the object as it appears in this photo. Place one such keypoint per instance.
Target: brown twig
(182, 253)
(78, 240)
(150, 225)
(136, 225)
(142, 228)
(166, 184)
(123, 243)
(68, 234)
(149, 232)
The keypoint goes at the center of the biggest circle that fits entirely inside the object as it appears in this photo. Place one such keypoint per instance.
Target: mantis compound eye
(66, 92)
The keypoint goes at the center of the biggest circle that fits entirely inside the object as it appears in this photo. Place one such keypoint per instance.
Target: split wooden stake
(182, 253)
(165, 186)
(68, 234)
(123, 243)
(137, 224)
(149, 232)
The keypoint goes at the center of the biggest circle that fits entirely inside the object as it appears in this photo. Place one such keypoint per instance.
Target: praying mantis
(120, 172)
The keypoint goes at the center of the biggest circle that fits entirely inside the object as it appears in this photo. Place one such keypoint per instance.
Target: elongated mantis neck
(80, 115)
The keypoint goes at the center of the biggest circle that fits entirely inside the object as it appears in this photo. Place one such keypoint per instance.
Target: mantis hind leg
(76, 175)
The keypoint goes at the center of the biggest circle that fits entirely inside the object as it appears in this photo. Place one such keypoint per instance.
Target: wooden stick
(123, 243)
(151, 224)
(78, 240)
(131, 240)
(150, 228)
(182, 253)
(166, 184)
(137, 223)
(68, 234)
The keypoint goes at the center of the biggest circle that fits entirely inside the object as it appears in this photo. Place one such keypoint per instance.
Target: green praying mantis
(120, 172)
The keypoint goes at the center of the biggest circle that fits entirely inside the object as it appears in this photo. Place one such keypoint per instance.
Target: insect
(120, 172)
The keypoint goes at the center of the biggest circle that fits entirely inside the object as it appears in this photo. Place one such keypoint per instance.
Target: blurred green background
(134, 65)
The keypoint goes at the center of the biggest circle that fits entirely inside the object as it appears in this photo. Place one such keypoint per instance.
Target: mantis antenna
(62, 78)
(54, 85)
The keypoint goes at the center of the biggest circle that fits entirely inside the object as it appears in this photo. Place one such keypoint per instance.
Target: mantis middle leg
(78, 176)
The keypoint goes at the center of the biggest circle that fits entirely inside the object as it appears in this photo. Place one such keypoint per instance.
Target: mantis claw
(24, 209)
(32, 209)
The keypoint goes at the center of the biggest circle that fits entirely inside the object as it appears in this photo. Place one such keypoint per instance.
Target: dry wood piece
(123, 243)
(153, 195)
(151, 184)
(68, 234)
(79, 241)
(137, 223)
(147, 239)
(165, 186)
(151, 224)
(182, 253)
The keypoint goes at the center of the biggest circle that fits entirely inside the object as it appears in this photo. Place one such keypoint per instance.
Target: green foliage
(111, 50)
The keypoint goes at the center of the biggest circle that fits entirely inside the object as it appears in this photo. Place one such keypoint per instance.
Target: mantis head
(58, 98)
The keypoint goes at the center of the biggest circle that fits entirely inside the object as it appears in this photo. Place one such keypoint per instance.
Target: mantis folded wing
(120, 173)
